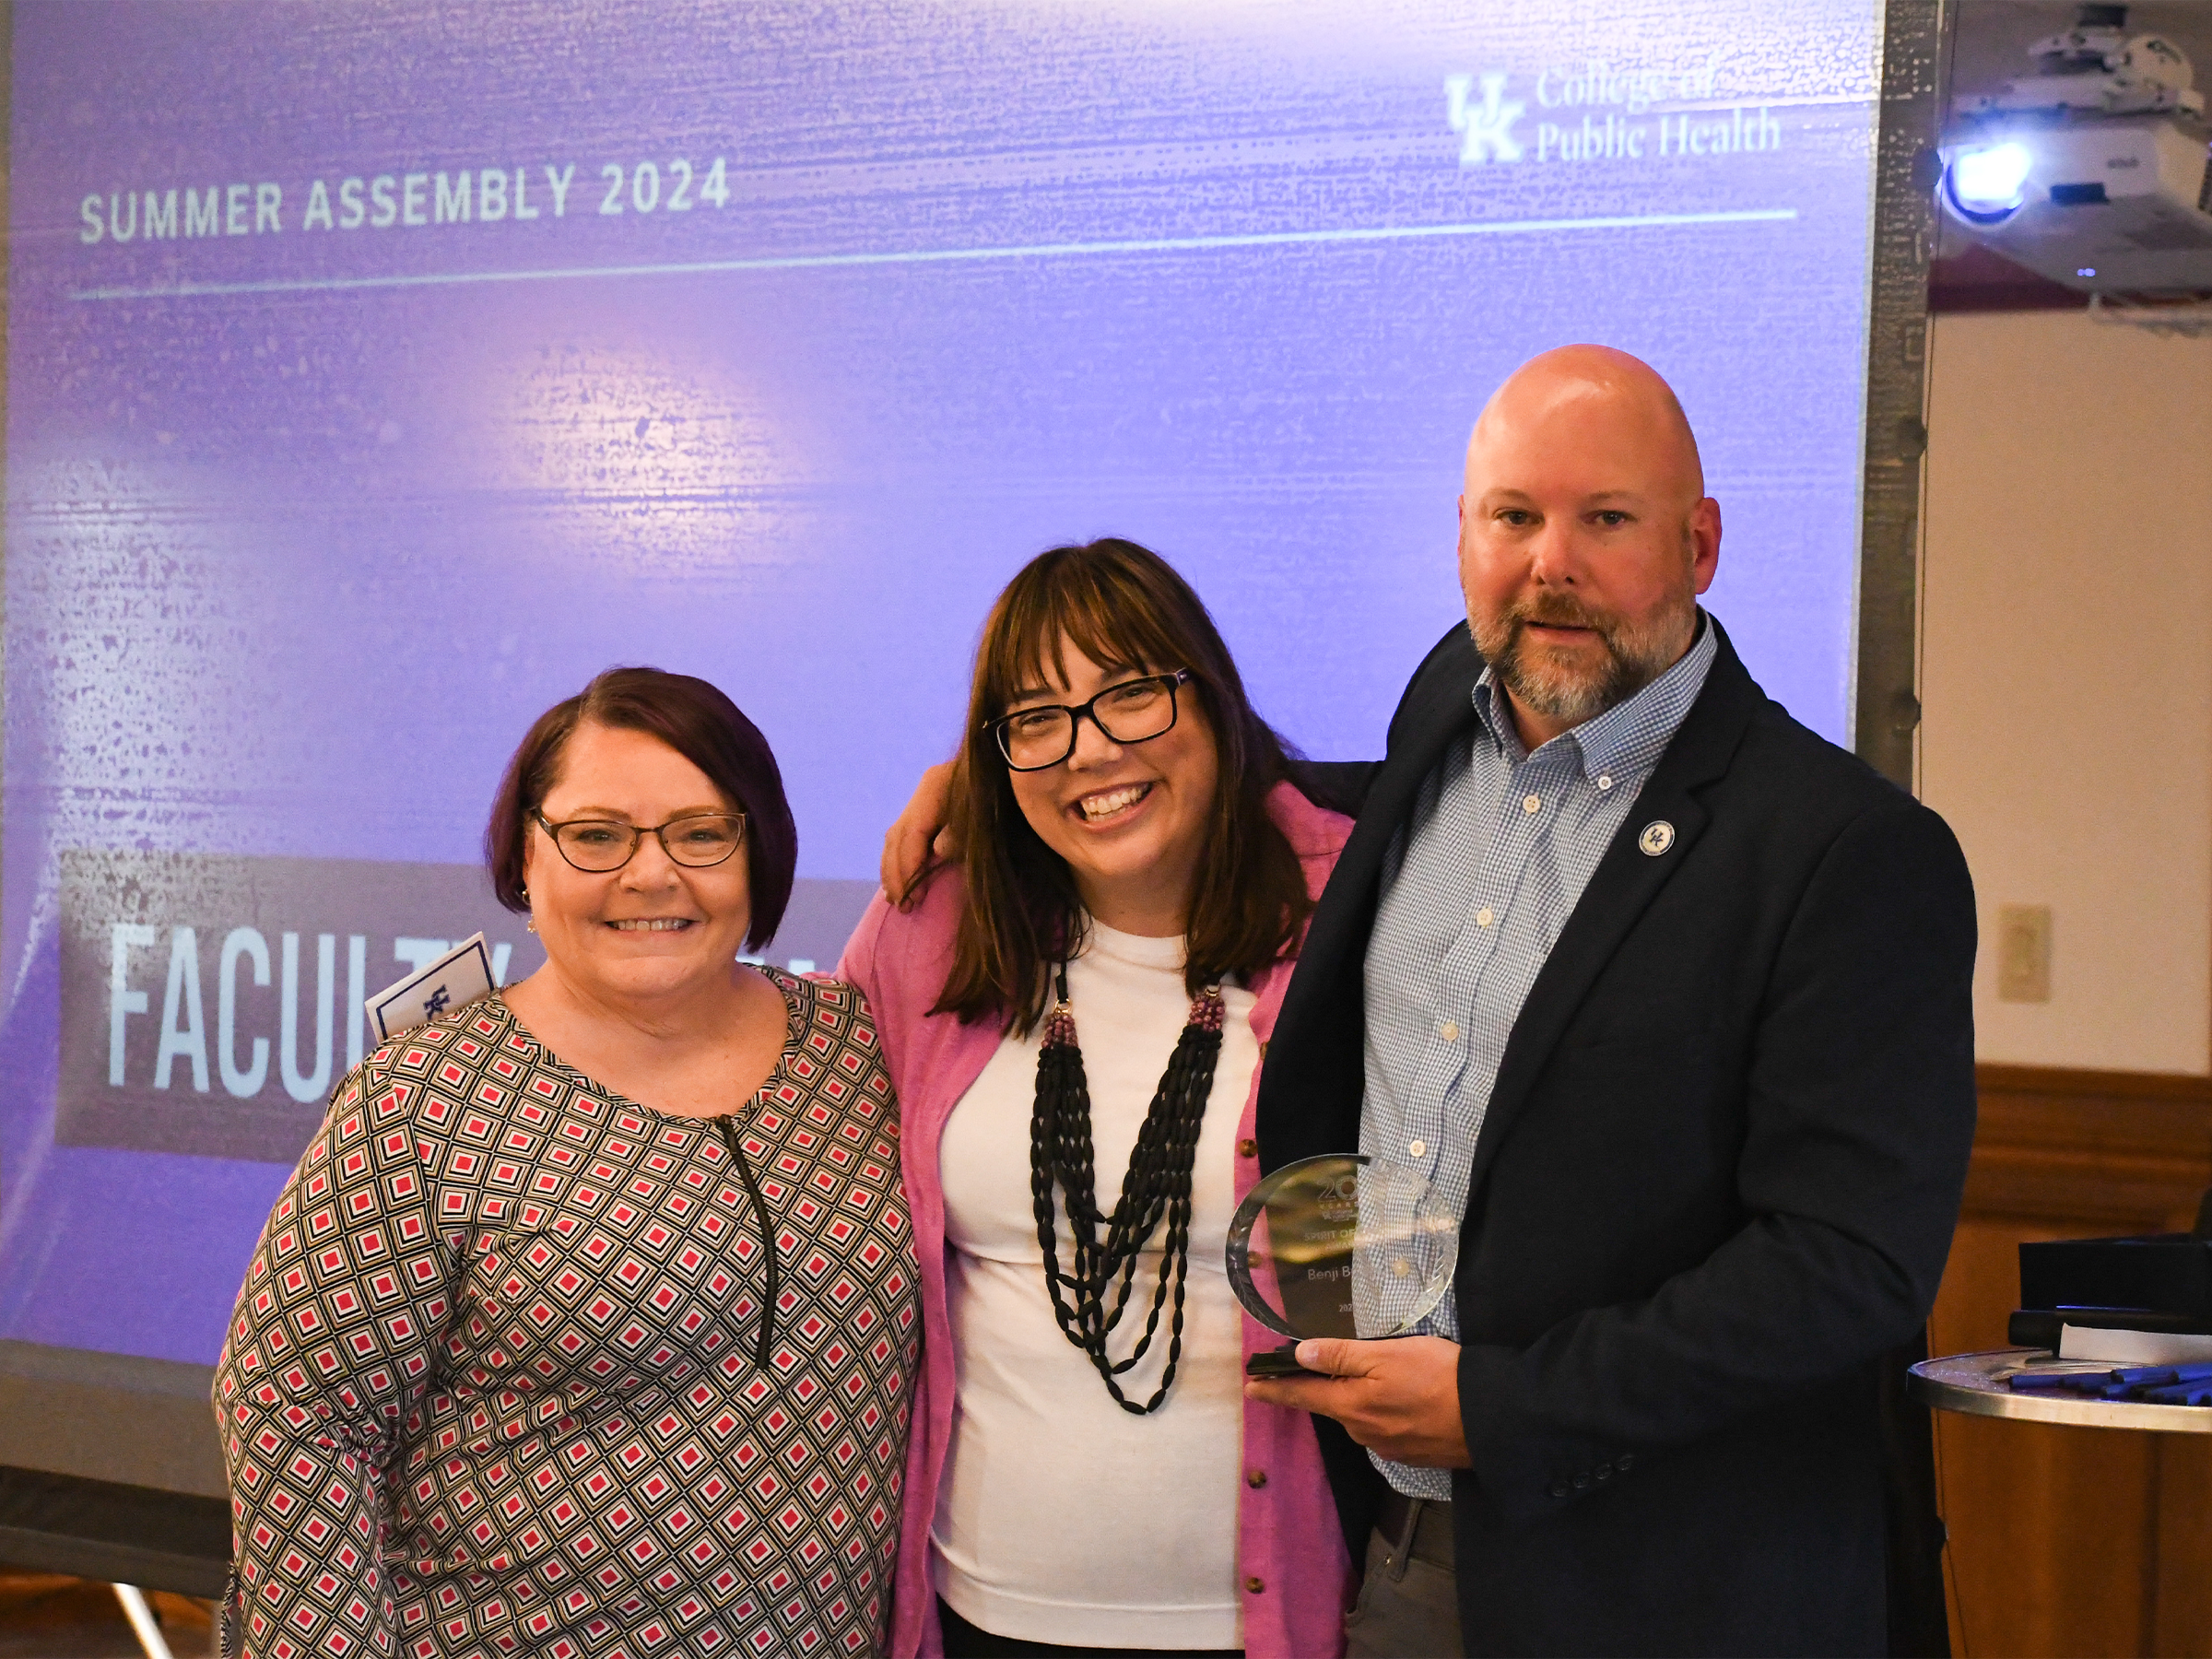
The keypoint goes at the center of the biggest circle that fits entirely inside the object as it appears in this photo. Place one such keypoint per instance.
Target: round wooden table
(1976, 1384)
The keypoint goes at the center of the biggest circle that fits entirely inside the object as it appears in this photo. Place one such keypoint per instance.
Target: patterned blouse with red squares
(494, 1384)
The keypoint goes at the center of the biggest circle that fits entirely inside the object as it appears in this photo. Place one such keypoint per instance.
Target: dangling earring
(532, 925)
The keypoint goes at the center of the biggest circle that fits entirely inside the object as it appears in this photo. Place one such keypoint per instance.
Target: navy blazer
(1716, 1180)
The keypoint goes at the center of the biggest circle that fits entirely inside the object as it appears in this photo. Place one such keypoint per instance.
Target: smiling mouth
(1110, 803)
(654, 924)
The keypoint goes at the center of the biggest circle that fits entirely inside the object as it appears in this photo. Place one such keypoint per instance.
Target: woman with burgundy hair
(586, 1323)
(1074, 1013)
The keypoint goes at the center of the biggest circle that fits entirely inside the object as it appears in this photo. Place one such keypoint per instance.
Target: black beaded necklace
(1157, 1184)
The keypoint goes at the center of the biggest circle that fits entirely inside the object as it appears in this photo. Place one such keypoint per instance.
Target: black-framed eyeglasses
(600, 846)
(1134, 712)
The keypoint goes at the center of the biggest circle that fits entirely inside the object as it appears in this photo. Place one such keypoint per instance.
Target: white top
(1062, 1517)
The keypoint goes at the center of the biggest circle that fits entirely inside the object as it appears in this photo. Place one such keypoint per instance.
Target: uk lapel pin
(1657, 837)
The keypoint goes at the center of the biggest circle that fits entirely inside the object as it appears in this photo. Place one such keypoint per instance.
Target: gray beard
(1634, 658)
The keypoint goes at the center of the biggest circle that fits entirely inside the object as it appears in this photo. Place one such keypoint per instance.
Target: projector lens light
(1985, 186)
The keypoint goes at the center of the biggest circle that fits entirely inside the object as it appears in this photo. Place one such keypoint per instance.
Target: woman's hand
(919, 840)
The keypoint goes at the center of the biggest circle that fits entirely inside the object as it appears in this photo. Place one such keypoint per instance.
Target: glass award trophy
(1341, 1245)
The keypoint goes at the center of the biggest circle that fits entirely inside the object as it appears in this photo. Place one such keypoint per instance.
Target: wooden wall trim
(2132, 1150)
(2110, 1085)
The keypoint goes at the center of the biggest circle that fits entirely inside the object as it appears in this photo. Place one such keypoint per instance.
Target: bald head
(1585, 534)
(1605, 404)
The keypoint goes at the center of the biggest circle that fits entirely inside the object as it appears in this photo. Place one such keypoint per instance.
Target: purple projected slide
(380, 371)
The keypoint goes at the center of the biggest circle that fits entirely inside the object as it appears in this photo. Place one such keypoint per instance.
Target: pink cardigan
(1297, 1579)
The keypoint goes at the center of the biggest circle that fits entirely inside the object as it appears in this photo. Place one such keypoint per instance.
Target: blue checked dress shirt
(1500, 847)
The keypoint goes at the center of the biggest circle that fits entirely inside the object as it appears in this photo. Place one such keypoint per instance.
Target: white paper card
(2133, 1347)
(452, 980)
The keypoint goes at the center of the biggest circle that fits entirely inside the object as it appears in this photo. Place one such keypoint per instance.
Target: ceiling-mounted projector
(2093, 171)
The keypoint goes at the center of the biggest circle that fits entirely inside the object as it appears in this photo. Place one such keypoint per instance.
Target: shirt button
(1256, 1478)
(1255, 1584)
(1400, 1269)
(1448, 1030)
(1248, 1147)
(1604, 781)
(1485, 916)
(1532, 803)
(1416, 1148)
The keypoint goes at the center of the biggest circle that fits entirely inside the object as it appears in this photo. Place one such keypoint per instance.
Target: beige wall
(2067, 674)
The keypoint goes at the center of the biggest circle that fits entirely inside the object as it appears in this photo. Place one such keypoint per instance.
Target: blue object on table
(2043, 1382)
(2147, 1376)
(2158, 1384)
(2181, 1394)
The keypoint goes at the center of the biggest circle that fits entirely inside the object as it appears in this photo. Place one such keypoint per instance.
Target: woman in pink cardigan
(1074, 1015)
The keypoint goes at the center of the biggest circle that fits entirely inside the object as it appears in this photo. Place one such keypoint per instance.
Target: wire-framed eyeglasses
(600, 846)
(1135, 710)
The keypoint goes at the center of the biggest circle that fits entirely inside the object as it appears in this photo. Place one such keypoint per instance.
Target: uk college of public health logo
(1596, 110)
(1485, 126)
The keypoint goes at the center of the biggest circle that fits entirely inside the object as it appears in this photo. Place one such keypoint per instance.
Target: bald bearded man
(1671, 997)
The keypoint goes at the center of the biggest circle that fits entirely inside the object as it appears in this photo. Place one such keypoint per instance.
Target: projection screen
(377, 371)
